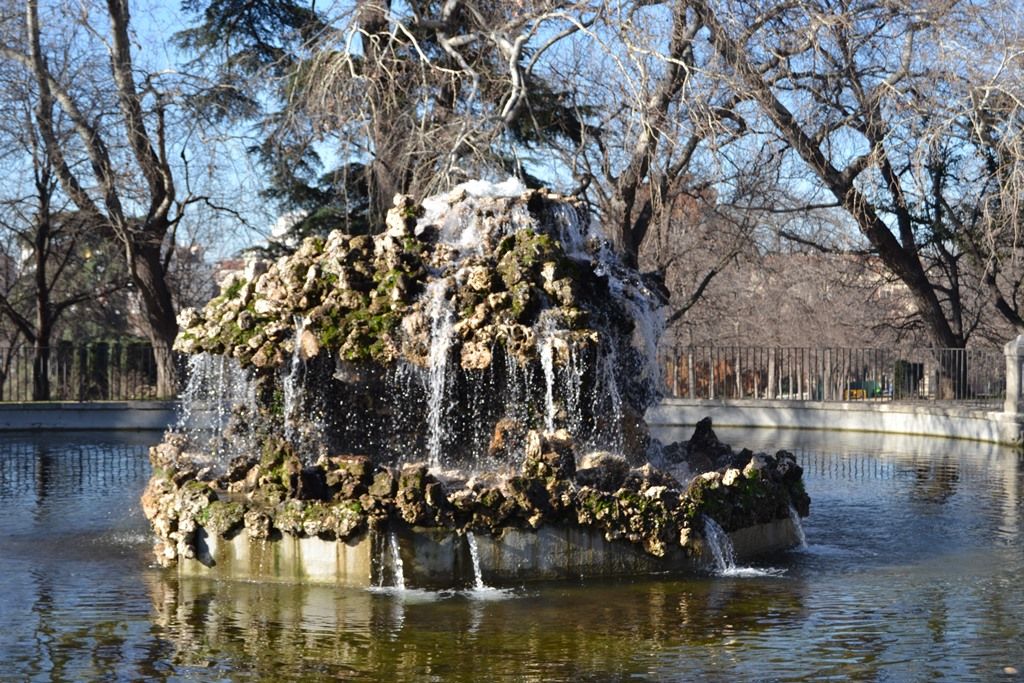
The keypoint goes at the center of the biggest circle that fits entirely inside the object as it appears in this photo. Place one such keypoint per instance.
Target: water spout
(391, 557)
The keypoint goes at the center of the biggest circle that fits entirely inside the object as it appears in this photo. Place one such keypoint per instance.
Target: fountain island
(458, 397)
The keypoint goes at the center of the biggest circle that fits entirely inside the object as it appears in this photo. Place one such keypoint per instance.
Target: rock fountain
(460, 395)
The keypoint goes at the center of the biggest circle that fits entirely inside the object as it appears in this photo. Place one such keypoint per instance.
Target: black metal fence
(966, 376)
(99, 371)
(121, 371)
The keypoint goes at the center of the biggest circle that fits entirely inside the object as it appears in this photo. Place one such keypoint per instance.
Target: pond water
(914, 570)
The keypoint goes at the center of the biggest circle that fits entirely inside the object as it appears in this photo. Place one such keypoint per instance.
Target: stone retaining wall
(435, 558)
(890, 418)
(98, 415)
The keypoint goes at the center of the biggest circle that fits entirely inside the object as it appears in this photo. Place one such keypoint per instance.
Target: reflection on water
(912, 572)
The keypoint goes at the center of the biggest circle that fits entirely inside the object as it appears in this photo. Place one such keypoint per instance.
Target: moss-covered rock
(223, 518)
(642, 505)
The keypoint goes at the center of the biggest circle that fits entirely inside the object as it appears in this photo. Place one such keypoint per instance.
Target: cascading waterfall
(608, 389)
(585, 243)
(466, 231)
(627, 289)
(459, 223)
(794, 517)
(441, 322)
(474, 554)
(216, 385)
(571, 231)
(573, 383)
(533, 309)
(568, 382)
(720, 545)
(563, 381)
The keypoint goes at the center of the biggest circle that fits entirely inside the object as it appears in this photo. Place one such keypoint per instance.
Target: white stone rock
(655, 492)
(730, 476)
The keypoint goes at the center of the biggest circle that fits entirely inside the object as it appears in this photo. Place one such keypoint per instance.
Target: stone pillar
(1015, 376)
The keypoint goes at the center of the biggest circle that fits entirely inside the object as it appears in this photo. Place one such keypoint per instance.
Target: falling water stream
(547, 364)
(720, 546)
(397, 568)
(794, 517)
(292, 387)
(216, 387)
(474, 554)
(441, 322)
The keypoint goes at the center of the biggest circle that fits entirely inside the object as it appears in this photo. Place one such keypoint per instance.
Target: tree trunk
(41, 364)
(40, 372)
(167, 380)
(44, 312)
(160, 321)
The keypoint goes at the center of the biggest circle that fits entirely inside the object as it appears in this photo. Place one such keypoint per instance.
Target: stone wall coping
(838, 406)
(11, 406)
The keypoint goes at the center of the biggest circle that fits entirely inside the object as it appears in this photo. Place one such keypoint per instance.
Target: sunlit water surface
(914, 571)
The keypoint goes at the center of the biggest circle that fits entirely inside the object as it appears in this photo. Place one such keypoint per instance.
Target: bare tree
(51, 241)
(118, 171)
(987, 220)
(869, 97)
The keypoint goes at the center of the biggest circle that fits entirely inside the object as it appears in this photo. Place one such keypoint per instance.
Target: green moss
(234, 289)
(232, 335)
(290, 516)
(412, 246)
(274, 452)
(330, 335)
(411, 211)
(387, 279)
(600, 506)
(521, 301)
(221, 517)
(353, 506)
(196, 486)
(537, 249)
(506, 245)
(385, 322)
(313, 511)
(491, 498)
(276, 405)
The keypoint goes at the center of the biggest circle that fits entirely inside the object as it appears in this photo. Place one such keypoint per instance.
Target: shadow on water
(911, 572)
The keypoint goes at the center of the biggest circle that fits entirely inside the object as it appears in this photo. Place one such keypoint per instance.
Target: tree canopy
(704, 134)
